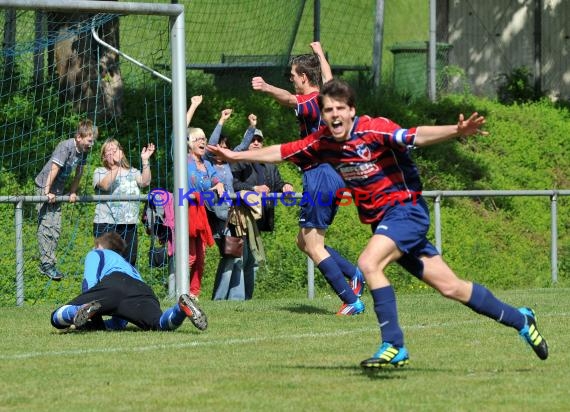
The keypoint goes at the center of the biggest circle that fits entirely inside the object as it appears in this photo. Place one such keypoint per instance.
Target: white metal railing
(19, 201)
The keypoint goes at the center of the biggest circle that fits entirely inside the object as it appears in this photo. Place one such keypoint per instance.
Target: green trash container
(410, 72)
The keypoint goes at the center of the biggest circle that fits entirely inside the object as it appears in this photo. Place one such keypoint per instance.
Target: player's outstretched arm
(282, 96)
(269, 154)
(428, 135)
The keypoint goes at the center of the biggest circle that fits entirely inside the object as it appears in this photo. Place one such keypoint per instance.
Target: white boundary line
(175, 346)
(161, 347)
(28, 355)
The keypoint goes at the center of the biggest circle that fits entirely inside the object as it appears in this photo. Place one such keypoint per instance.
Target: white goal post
(175, 12)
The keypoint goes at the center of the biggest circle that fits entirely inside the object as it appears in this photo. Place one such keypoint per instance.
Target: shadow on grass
(391, 373)
(307, 309)
(379, 373)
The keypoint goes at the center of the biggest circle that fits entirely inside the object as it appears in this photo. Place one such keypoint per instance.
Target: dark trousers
(121, 295)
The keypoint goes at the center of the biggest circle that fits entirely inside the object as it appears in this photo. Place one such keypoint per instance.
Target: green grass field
(290, 355)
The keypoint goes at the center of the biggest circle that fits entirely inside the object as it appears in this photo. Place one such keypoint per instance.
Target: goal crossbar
(171, 10)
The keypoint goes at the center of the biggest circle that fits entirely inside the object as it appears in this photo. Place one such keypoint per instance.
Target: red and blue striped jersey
(308, 113)
(374, 163)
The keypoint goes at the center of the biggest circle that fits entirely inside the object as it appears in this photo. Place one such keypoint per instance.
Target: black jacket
(245, 178)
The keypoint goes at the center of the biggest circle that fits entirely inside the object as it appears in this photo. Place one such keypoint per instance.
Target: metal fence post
(554, 238)
(437, 223)
(310, 278)
(19, 228)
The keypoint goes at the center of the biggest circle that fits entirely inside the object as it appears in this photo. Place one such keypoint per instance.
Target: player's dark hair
(338, 90)
(112, 241)
(310, 65)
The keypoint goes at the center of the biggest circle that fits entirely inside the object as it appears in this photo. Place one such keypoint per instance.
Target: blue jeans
(229, 284)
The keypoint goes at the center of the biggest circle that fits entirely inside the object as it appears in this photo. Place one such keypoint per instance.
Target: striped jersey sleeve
(308, 113)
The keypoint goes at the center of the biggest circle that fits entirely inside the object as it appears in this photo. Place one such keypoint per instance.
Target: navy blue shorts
(320, 202)
(407, 225)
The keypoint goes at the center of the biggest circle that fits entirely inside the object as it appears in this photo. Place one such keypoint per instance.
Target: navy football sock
(387, 314)
(347, 268)
(485, 303)
(333, 275)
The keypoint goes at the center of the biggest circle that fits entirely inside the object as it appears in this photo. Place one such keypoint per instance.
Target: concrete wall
(494, 37)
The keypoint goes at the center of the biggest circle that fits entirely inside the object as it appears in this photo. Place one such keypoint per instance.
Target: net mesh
(58, 69)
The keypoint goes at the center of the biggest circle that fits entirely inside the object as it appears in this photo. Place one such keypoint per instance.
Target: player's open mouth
(336, 125)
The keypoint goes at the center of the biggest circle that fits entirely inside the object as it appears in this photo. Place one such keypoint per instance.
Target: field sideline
(290, 355)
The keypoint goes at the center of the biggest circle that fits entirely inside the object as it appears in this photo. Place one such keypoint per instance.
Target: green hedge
(501, 242)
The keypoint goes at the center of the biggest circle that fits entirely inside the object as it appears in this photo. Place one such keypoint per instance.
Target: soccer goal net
(62, 63)
(122, 65)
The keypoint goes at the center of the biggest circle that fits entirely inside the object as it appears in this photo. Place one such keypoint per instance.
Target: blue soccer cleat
(387, 355)
(357, 283)
(531, 334)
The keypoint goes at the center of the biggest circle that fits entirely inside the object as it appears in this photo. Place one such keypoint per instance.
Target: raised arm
(282, 96)
(215, 136)
(195, 101)
(269, 154)
(146, 175)
(248, 135)
(428, 135)
(326, 71)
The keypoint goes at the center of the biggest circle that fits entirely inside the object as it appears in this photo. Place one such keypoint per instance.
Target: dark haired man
(263, 178)
(372, 155)
(321, 183)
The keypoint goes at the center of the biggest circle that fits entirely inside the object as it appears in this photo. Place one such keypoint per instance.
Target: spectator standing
(263, 178)
(117, 177)
(202, 177)
(229, 281)
(69, 155)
